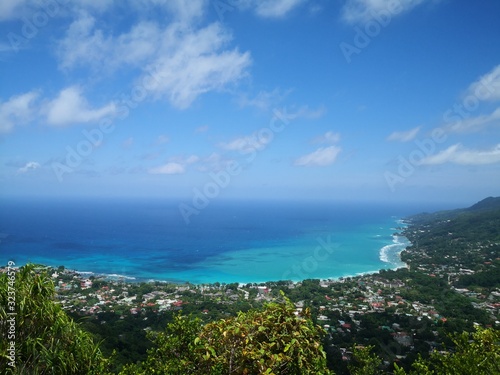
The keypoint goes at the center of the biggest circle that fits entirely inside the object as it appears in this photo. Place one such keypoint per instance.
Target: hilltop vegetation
(463, 245)
(42, 338)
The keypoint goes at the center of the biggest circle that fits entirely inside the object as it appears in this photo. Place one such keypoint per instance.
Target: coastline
(137, 280)
(324, 252)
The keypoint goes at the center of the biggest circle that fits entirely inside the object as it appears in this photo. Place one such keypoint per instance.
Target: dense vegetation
(46, 340)
(269, 341)
(467, 238)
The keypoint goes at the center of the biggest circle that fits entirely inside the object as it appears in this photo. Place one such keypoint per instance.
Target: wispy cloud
(306, 112)
(245, 143)
(183, 11)
(169, 168)
(486, 87)
(86, 45)
(10, 9)
(322, 157)
(276, 8)
(17, 110)
(457, 154)
(329, 138)
(264, 100)
(183, 59)
(70, 107)
(257, 142)
(404, 136)
(473, 124)
(463, 117)
(214, 162)
(364, 10)
(176, 165)
(199, 64)
(32, 165)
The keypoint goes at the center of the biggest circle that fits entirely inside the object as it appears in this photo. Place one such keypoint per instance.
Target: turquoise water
(226, 242)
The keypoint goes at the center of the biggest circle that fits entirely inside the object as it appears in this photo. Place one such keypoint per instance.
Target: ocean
(227, 242)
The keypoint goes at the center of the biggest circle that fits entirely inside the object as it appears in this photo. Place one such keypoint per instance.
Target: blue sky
(206, 99)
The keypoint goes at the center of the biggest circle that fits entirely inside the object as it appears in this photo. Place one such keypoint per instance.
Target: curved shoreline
(134, 279)
(389, 256)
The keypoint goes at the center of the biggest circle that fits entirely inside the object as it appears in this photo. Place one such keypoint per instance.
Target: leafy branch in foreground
(270, 341)
(46, 340)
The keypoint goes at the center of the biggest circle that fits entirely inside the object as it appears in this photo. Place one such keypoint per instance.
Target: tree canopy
(42, 339)
(270, 341)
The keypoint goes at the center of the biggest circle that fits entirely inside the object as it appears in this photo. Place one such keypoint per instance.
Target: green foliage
(46, 340)
(476, 354)
(486, 279)
(269, 341)
(364, 362)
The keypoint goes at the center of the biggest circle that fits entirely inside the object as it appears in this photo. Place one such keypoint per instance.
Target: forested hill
(487, 205)
(478, 222)
(463, 244)
(491, 203)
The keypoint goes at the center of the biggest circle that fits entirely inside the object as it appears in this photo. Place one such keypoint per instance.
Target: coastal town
(388, 308)
(360, 295)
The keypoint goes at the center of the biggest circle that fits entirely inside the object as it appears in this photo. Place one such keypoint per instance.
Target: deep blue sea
(229, 241)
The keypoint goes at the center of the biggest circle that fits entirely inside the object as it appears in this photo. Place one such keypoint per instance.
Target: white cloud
(80, 45)
(85, 44)
(246, 143)
(17, 110)
(195, 64)
(474, 123)
(263, 8)
(17, 9)
(180, 60)
(176, 165)
(275, 8)
(71, 107)
(487, 87)
(404, 136)
(364, 10)
(213, 163)
(10, 9)
(264, 100)
(457, 154)
(28, 167)
(307, 113)
(329, 137)
(169, 168)
(322, 157)
(192, 159)
(183, 160)
(184, 11)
